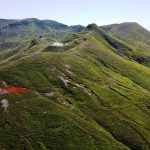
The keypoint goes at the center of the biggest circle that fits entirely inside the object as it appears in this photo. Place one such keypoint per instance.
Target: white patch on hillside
(5, 104)
(49, 94)
(57, 44)
(67, 66)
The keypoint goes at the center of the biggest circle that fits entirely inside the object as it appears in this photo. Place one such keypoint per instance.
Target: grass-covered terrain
(13, 32)
(135, 35)
(83, 96)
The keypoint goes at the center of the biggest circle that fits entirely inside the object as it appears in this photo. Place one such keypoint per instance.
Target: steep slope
(133, 34)
(86, 96)
(14, 31)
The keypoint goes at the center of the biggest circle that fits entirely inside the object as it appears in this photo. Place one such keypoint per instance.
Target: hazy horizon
(81, 12)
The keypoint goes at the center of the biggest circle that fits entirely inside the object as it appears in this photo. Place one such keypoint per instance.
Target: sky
(84, 12)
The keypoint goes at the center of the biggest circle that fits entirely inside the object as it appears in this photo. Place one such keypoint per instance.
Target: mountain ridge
(130, 32)
(12, 32)
(85, 95)
(89, 93)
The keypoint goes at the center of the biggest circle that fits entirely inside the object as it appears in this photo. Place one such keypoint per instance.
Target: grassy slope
(104, 105)
(133, 34)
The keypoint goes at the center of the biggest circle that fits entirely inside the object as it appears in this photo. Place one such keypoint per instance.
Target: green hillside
(12, 32)
(89, 94)
(135, 35)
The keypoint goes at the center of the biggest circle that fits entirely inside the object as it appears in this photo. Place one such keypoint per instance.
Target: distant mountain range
(12, 32)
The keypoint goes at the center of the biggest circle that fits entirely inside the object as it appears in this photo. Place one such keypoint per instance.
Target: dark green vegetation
(88, 95)
(12, 32)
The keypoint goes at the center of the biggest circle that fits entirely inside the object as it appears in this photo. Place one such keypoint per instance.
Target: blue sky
(83, 12)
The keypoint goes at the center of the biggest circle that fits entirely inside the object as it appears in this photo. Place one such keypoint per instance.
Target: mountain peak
(92, 26)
